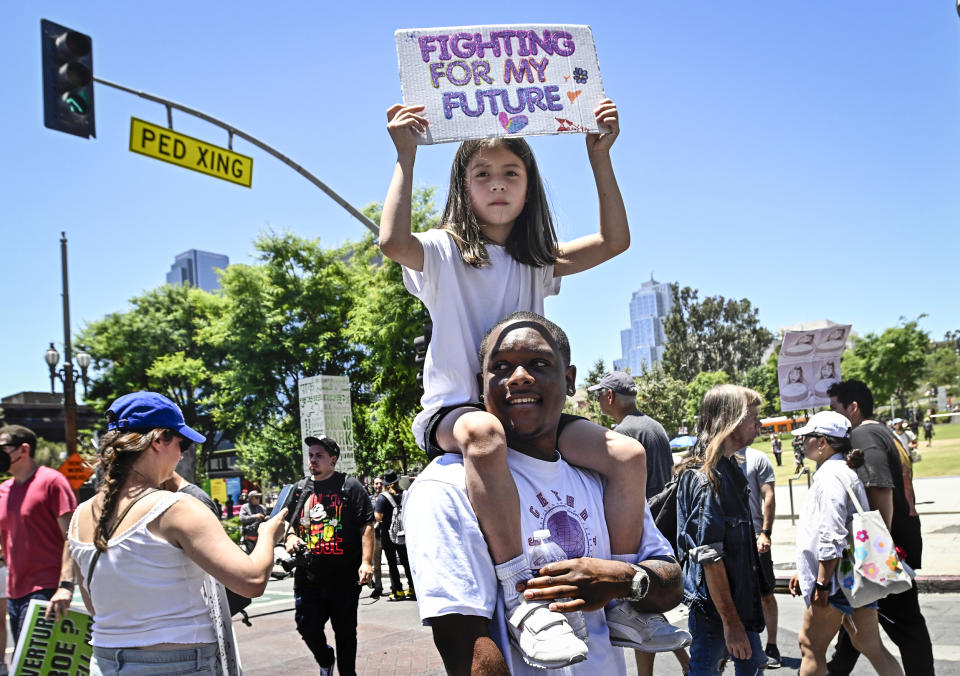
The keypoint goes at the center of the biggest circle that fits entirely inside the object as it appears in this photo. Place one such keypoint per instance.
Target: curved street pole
(233, 131)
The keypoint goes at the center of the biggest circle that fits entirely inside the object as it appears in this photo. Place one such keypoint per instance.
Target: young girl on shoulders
(496, 252)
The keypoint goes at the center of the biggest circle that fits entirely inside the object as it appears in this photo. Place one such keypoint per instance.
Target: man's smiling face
(525, 381)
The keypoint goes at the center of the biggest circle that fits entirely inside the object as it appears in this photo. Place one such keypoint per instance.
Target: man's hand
(794, 585)
(590, 583)
(763, 543)
(292, 543)
(365, 573)
(736, 639)
(59, 604)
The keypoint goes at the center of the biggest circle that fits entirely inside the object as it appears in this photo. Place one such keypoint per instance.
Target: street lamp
(67, 375)
(83, 359)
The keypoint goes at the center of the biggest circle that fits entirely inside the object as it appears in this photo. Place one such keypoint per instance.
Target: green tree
(763, 379)
(663, 398)
(154, 346)
(942, 367)
(714, 334)
(890, 363)
(282, 320)
(596, 372)
(701, 384)
(384, 320)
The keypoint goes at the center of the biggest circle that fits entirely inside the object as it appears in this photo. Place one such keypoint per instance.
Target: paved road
(392, 641)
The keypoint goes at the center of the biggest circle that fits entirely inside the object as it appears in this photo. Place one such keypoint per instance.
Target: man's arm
(592, 583)
(365, 573)
(61, 599)
(734, 632)
(769, 512)
(881, 499)
(465, 646)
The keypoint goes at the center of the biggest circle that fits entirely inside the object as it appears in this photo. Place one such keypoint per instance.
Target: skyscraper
(643, 343)
(196, 268)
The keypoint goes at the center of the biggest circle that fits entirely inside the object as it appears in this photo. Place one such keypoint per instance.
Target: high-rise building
(643, 343)
(196, 268)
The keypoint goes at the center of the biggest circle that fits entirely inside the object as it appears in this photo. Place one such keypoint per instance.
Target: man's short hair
(849, 391)
(559, 337)
(20, 435)
(326, 442)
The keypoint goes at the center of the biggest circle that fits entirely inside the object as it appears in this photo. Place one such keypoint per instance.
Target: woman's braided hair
(119, 450)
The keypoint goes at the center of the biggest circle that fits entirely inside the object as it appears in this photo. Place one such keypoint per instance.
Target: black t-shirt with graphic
(885, 466)
(331, 524)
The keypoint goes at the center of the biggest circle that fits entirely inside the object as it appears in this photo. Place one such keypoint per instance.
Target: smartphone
(285, 494)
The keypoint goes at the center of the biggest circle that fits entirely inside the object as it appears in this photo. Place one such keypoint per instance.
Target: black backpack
(663, 509)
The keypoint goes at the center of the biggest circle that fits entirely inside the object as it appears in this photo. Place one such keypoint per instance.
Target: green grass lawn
(940, 459)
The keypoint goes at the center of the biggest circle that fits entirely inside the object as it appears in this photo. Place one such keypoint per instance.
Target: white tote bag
(870, 568)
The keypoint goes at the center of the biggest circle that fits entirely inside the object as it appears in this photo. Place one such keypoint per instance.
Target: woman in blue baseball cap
(144, 553)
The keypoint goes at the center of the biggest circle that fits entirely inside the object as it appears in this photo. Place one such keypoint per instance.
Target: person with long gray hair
(715, 538)
(143, 554)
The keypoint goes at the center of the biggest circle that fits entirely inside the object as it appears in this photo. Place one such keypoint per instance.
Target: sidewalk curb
(926, 584)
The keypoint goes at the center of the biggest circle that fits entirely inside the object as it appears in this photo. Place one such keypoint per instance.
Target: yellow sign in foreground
(185, 151)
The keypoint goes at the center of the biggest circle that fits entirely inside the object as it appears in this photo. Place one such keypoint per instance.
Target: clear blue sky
(802, 155)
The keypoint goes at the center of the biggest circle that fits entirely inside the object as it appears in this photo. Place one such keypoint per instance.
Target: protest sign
(486, 81)
(325, 410)
(809, 364)
(46, 647)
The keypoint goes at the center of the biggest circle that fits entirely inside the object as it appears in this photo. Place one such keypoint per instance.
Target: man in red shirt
(35, 510)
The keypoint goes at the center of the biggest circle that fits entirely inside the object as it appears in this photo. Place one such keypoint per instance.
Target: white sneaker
(544, 637)
(647, 632)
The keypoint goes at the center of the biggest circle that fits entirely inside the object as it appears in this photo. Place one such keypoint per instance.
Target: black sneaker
(773, 657)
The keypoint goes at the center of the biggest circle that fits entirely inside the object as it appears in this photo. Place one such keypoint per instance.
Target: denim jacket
(712, 527)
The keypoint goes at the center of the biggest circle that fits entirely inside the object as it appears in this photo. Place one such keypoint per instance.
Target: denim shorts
(839, 601)
(202, 660)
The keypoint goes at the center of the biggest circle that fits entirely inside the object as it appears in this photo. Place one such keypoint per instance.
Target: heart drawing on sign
(573, 95)
(513, 124)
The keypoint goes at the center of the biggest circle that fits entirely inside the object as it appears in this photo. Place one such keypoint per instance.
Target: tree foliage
(763, 379)
(154, 346)
(596, 372)
(714, 334)
(890, 363)
(702, 384)
(942, 366)
(662, 397)
(282, 320)
(384, 320)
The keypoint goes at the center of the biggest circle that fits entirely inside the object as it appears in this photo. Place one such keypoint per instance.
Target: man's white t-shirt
(452, 569)
(464, 302)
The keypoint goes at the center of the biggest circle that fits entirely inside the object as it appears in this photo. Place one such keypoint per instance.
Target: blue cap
(144, 411)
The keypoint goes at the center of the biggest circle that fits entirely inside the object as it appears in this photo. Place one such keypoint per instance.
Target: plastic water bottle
(545, 551)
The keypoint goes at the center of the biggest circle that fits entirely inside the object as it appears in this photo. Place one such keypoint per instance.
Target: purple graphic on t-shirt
(567, 533)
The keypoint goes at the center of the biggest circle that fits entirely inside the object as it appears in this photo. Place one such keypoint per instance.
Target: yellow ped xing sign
(167, 145)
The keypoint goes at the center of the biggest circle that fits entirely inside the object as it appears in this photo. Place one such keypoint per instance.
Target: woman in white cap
(821, 538)
(144, 554)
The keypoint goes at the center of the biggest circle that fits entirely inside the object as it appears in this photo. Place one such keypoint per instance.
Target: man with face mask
(35, 510)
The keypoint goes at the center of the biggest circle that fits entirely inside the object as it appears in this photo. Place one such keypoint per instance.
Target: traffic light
(420, 344)
(67, 80)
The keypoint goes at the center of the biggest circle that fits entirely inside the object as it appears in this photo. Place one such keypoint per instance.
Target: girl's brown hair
(533, 239)
(119, 450)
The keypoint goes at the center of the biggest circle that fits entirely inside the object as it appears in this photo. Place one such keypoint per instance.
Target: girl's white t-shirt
(464, 302)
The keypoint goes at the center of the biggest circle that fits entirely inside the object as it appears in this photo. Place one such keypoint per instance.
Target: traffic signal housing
(67, 80)
(420, 344)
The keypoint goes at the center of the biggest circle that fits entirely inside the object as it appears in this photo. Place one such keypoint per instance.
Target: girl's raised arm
(613, 236)
(396, 240)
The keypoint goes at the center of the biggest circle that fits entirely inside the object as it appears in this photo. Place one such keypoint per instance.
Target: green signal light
(76, 102)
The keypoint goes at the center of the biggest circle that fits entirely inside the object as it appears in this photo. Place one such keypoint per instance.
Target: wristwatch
(766, 531)
(638, 585)
(822, 586)
(66, 584)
